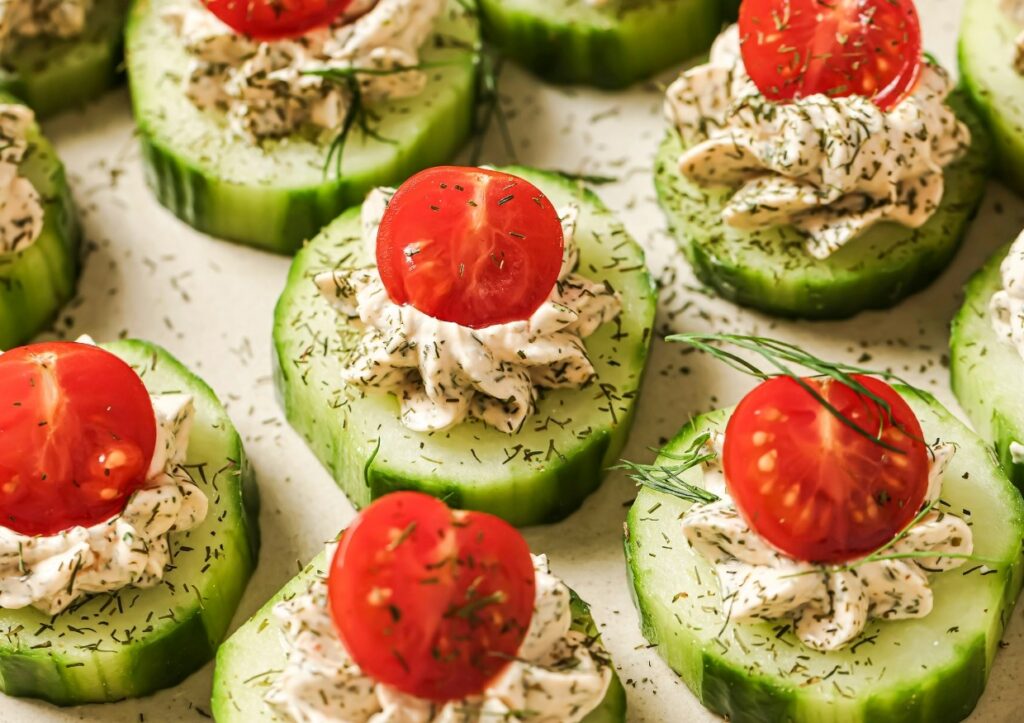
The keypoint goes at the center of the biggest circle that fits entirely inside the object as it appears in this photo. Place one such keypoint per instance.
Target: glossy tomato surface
(77, 433)
(812, 486)
(276, 19)
(471, 246)
(431, 601)
(796, 48)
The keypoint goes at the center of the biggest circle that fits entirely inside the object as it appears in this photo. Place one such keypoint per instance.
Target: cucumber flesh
(986, 52)
(928, 670)
(770, 270)
(279, 193)
(37, 281)
(54, 74)
(136, 641)
(541, 474)
(568, 41)
(246, 663)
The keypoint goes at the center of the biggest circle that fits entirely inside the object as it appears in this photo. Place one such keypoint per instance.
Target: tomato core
(77, 434)
(433, 602)
(811, 486)
(470, 246)
(796, 48)
(276, 19)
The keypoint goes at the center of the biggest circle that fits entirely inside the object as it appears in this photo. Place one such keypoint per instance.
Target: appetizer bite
(834, 548)
(472, 335)
(987, 356)
(822, 166)
(992, 70)
(59, 54)
(420, 613)
(128, 526)
(607, 43)
(39, 233)
(261, 123)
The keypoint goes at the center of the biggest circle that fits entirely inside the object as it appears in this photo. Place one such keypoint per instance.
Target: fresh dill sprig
(781, 355)
(667, 478)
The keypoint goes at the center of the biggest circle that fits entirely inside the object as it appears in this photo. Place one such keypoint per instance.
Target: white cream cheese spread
(264, 87)
(830, 606)
(21, 208)
(1007, 304)
(48, 18)
(443, 372)
(831, 167)
(50, 572)
(559, 676)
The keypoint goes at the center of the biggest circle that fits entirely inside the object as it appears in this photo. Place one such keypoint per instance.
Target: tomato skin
(812, 487)
(432, 602)
(77, 435)
(270, 20)
(471, 246)
(796, 48)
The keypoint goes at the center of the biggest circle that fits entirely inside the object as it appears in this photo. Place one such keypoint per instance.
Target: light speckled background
(210, 303)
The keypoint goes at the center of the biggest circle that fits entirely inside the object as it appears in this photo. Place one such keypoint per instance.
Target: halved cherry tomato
(795, 48)
(276, 19)
(469, 245)
(77, 433)
(431, 601)
(813, 487)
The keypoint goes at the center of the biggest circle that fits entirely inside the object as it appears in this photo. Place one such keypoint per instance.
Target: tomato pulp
(276, 19)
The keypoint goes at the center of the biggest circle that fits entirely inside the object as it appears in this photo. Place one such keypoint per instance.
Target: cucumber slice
(770, 270)
(133, 642)
(247, 662)
(541, 474)
(978, 356)
(930, 670)
(37, 281)
(277, 194)
(568, 41)
(53, 74)
(986, 54)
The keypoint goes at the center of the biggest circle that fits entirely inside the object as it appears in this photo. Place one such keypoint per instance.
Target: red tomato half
(796, 48)
(469, 245)
(77, 433)
(813, 487)
(276, 19)
(431, 601)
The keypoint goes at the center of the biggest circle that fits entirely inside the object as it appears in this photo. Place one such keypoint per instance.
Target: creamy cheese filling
(1007, 304)
(829, 606)
(50, 572)
(264, 88)
(831, 167)
(559, 676)
(443, 372)
(1015, 10)
(21, 208)
(48, 18)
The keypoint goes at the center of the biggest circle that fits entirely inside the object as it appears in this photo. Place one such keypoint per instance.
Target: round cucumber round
(542, 473)
(927, 670)
(38, 280)
(136, 641)
(53, 74)
(977, 357)
(279, 193)
(986, 53)
(247, 662)
(569, 41)
(770, 270)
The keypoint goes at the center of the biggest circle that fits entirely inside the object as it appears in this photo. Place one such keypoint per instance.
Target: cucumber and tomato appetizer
(987, 48)
(769, 268)
(278, 193)
(133, 641)
(539, 474)
(607, 44)
(52, 74)
(927, 669)
(38, 280)
(408, 579)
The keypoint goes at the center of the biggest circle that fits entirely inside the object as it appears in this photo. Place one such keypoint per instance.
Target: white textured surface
(210, 303)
